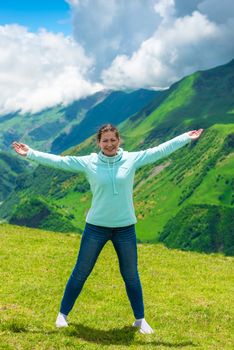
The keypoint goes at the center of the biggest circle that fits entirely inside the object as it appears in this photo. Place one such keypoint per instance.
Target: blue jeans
(93, 240)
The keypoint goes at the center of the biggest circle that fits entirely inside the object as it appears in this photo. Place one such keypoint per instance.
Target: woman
(111, 216)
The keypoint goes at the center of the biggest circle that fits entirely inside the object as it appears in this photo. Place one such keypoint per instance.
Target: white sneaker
(61, 321)
(143, 326)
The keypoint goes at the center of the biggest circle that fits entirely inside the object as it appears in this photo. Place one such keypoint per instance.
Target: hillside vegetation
(187, 297)
(10, 168)
(40, 129)
(193, 189)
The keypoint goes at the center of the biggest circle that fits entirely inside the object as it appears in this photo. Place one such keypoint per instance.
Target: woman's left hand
(195, 134)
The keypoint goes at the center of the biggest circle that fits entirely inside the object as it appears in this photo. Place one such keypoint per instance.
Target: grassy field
(187, 297)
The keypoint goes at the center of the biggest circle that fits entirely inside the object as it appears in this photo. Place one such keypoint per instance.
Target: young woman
(111, 216)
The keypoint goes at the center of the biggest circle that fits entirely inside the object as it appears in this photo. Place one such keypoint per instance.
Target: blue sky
(57, 51)
(51, 14)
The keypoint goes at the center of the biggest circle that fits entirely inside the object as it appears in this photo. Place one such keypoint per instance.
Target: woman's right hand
(20, 148)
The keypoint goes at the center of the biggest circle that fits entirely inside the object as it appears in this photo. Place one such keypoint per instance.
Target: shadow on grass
(116, 336)
(119, 336)
(124, 335)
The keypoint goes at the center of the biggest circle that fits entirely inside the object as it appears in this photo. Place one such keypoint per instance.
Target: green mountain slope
(10, 168)
(36, 212)
(115, 108)
(201, 227)
(58, 128)
(191, 178)
(40, 129)
(201, 99)
(196, 175)
(187, 299)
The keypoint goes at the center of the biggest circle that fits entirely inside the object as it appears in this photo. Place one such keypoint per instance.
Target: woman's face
(109, 143)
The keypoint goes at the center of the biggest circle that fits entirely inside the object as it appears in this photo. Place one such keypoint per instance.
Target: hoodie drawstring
(112, 172)
(112, 175)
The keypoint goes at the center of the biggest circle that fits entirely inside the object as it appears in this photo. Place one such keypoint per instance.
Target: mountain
(40, 129)
(58, 128)
(201, 99)
(118, 106)
(184, 201)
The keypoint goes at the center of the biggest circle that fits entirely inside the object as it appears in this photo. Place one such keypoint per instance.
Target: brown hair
(107, 127)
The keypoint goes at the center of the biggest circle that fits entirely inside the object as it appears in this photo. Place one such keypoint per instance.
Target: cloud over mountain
(40, 70)
(117, 44)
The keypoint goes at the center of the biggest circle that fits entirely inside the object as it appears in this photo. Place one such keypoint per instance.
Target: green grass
(78, 204)
(217, 187)
(187, 297)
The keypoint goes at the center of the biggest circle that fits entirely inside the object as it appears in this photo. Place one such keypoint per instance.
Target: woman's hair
(107, 127)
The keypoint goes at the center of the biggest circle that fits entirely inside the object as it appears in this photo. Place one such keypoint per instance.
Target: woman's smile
(109, 143)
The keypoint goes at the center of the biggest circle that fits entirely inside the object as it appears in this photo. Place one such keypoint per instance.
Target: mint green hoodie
(110, 178)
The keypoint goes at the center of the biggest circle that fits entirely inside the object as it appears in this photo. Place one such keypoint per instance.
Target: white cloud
(153, 43)
(123, 44)
(179, 46)
(166, 8)
(107, 28)
(40, 70)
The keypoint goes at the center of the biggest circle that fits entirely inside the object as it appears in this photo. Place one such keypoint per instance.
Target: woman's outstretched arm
(151, 155)
(67, 163)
